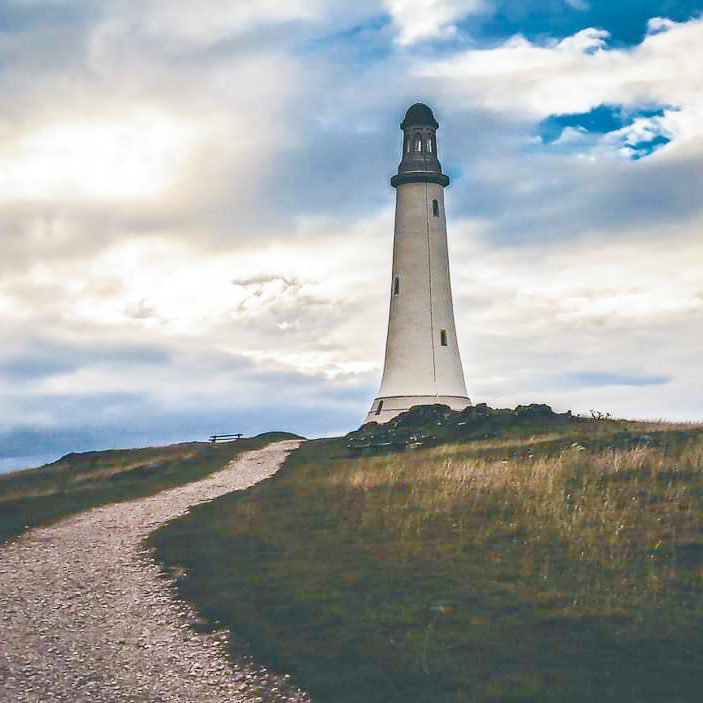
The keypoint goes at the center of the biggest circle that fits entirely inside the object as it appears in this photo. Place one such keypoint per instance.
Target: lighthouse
(422, 364)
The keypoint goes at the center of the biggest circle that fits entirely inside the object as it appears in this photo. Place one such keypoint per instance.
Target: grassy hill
(547, 561)
(78, 482)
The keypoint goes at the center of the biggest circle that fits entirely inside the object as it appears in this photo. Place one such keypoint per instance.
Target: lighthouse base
(386, 408)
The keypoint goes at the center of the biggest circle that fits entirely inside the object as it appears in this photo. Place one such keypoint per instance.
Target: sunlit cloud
(596, 283)
(196, 223)
(316, 363)
(581, 72)
(418, 20)
(213, 20)
(130, 157)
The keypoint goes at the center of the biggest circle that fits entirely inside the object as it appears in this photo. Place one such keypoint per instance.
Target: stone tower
(422, 365)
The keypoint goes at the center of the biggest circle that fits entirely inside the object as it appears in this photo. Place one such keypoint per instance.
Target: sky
(196, 219)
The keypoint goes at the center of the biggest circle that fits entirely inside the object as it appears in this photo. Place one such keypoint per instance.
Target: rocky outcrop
(429, 425)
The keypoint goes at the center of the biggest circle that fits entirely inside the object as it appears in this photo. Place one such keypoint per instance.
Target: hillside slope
(549, 564)
(78, 482)
(88, 616)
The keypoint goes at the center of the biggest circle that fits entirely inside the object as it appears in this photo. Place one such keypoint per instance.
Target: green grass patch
(520, 569)
(79, 482)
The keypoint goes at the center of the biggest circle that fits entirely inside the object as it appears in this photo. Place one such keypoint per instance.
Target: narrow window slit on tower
(435, 208)
(379, 408)
(443, 337)
(396, 286)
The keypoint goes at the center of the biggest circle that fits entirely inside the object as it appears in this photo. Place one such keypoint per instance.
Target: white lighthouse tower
(422, 365)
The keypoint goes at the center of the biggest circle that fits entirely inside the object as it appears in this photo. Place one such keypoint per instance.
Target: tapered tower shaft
(422, 363)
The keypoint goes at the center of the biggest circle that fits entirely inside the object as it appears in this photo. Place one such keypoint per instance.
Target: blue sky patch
(600, 120)
(626, 20)
(583, 131)
(644, 148)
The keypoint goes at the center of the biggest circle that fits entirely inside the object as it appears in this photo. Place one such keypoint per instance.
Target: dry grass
(606, 505)
(69, 474)
(82, 481)
(660, 425)
(566, 566)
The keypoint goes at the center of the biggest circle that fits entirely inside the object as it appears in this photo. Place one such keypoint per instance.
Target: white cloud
(580, 72)
(125, 157)
(204, 22)
(528, 318)
(625, 282)
(211, 20)
(417, 20)
(572, 135)
(659, 24)
(643, 130)
(235, 298)
(211, 245)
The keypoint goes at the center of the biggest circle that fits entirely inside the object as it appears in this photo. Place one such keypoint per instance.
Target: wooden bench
(225, 437)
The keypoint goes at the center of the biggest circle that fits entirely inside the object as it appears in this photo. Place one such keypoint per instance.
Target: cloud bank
(196, 221)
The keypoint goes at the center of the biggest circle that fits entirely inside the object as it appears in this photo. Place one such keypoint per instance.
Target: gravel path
(87, 615)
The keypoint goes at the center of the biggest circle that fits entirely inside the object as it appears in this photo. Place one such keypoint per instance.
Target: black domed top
(419, 114)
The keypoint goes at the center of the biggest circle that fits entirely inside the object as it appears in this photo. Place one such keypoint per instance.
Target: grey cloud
(290, 401)
(41, 358)
(615, 378)
(141, 311)
(246, 282)
(24, 368)
(162, 426)
(340, 173)
(340, 142)
(529, 195)
(579, 368)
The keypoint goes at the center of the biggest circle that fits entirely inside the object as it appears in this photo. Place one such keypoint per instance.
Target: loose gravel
(86, 614)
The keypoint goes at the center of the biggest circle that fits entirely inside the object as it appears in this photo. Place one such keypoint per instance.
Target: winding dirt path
(87, 615)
